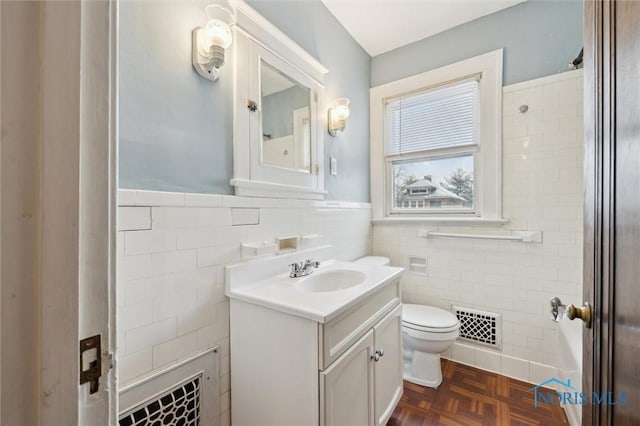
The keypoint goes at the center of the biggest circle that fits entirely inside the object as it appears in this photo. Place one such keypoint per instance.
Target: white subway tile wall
(542, 191)
(134, 218)
(171, 256)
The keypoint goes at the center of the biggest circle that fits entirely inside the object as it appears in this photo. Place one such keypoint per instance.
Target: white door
(346, 388)
(78, 131)
(387, 336)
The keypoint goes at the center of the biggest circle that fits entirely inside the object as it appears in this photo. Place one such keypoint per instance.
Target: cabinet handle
(377, 355)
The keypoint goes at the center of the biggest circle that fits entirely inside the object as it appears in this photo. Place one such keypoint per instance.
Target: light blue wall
(176, 127)
(540, 37)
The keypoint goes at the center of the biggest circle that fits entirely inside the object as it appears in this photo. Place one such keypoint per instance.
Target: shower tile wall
(172, 249)
(542, 191)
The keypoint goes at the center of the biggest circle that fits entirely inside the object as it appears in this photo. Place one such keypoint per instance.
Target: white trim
(145, 198)
(270, 36)
(247, 135)
(78, 137)
(451, 221)
(488, 198)
(97, 223)
(114, 117)
(252, 188)
(524, 375)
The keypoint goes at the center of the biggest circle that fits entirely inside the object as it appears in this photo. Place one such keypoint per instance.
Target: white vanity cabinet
(362, 387)
(291, 370)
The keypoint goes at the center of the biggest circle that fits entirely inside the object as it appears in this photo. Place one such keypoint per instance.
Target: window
(438, 128)
(435, 146)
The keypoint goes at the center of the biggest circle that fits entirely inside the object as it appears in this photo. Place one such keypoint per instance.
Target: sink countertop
(283, 294)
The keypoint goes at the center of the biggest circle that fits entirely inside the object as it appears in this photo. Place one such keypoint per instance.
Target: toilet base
(423, 369)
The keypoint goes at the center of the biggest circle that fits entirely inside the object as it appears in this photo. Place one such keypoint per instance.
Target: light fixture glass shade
(211, 41)
(338, 114)
(341, 109)
(220, 10)
(218, 33)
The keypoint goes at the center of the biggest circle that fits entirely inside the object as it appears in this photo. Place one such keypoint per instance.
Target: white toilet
(427, 332)
(374, 260)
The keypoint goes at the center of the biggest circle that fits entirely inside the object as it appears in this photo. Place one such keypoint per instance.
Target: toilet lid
(428, 318)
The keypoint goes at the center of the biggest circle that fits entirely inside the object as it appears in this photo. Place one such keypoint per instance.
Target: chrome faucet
(300, 269)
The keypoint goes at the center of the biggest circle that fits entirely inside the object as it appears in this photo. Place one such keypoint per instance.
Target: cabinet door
(388, 368)
(346, 388)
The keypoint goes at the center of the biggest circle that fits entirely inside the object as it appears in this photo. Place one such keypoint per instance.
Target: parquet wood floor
(470, 396)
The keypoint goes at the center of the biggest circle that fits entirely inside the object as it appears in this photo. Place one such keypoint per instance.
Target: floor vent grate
(479, 326)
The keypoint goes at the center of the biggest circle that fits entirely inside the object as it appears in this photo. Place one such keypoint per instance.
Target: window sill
(442, 221)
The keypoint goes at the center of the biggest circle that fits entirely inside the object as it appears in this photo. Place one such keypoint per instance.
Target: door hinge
(91, 362)
(317, 169)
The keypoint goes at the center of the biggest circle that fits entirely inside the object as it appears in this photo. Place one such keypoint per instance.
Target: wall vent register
(480, 327)
(183, 394)
(179, 406)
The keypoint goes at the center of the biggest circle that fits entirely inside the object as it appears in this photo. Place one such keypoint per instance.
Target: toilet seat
(428, 319)
(430, 329)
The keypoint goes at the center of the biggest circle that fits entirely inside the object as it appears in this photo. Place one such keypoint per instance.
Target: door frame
(599, 203)
(78, 125)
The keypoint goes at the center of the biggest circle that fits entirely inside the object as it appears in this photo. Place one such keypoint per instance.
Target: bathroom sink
(333, 288)
(333, 280)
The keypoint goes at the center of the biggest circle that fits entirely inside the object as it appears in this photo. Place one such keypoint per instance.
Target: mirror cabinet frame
(257, 40)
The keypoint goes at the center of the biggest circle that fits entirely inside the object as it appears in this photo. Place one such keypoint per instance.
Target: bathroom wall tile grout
(171, 297)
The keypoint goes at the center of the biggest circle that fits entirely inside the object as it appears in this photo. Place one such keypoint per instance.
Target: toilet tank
(374, 260)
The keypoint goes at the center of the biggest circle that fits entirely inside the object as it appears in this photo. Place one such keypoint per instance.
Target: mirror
(286, 130)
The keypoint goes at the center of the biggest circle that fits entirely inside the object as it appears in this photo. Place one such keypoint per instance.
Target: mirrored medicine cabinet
(278, 116)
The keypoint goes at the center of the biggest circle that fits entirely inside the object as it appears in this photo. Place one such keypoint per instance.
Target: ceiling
(383, 25)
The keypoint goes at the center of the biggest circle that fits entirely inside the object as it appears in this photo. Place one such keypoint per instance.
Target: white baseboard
(493, 360)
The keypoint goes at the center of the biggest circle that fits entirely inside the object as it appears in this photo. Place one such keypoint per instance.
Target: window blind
(441, 117)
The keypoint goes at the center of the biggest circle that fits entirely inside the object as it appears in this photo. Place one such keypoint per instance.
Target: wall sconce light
(338, 114)
(210, 42)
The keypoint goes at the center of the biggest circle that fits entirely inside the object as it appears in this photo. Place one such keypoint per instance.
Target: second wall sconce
(338, 114)
(211, 41)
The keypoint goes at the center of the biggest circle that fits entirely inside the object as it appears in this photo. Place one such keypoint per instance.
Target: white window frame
(487, 159)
